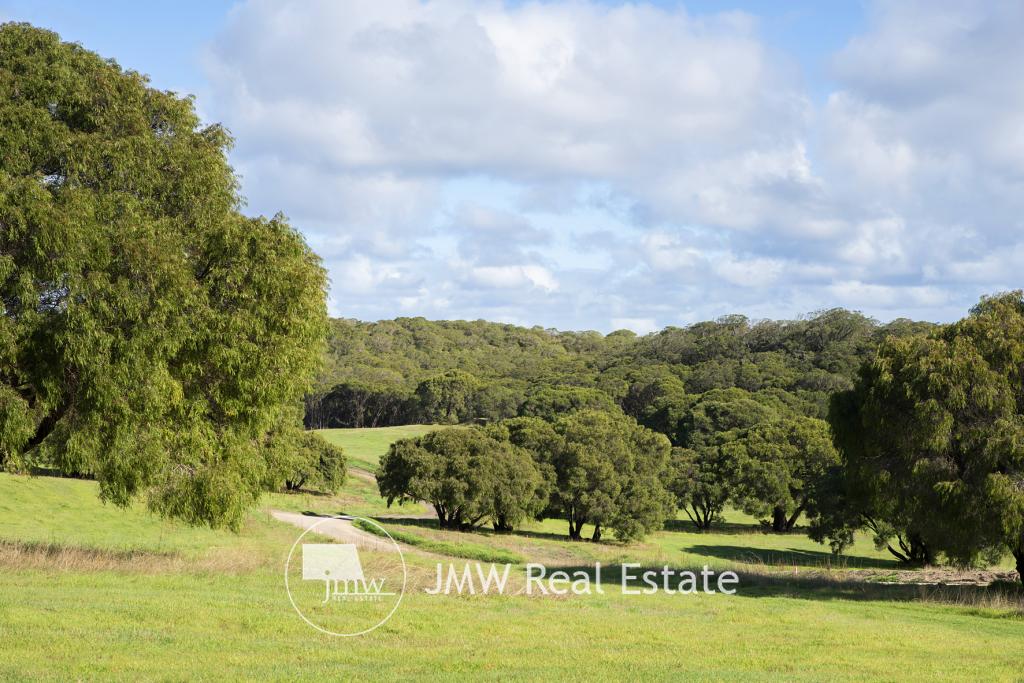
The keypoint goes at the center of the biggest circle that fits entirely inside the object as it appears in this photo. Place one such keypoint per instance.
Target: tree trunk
(442, 516)
(779, 520)
(358, 413)
(471, 524)
(691, 516)
(701, 516)
(1018, 554)
(597, 533)
(575, 529)
(914, 550)
(46, 426)
(791, 522)
(314, 417)
(920, 553)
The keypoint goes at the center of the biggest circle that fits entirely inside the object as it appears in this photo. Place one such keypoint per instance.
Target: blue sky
(600, 165)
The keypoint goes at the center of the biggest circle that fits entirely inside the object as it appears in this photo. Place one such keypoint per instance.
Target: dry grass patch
(20, 555)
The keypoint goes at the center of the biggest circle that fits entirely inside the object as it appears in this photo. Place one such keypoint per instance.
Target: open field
(364, 447)
(94, 592)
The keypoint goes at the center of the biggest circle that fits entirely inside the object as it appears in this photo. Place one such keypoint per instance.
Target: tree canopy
(152, 336)
(400, 371)
(603, 468)
(466, 475)
(932, 441)
(780, 467)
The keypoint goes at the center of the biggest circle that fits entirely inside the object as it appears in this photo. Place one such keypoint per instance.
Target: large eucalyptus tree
(150, 334)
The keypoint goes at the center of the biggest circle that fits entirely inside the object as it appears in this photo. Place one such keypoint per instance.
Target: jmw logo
(338, 566)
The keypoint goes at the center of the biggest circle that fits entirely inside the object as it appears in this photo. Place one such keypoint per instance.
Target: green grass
(457, 548)
(364, 447)
(114, 627)
(727, 549)
(52, 510)
(359, 496)
(102, 602)
(363, 450)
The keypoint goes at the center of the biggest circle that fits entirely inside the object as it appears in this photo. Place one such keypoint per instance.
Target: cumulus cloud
(577, 163)
(929, 120)
(533, 90)
(511, 277)
(493, 236)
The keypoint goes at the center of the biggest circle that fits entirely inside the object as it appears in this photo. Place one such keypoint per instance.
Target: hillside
(375, 369)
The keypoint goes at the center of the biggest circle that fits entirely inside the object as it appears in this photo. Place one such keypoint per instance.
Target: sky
(606, 165)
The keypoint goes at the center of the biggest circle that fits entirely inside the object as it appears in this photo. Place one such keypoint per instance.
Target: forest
(414, 370)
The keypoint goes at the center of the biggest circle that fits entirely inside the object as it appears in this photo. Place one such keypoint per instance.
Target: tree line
(922, 444)
(412, 370)
(595, 465)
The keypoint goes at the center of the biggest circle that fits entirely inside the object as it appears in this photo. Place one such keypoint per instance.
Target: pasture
(89, 591)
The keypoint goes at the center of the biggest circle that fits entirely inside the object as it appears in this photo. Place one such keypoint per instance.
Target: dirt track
(341, 529)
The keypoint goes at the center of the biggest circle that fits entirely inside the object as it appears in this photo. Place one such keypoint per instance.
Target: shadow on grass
(58, 474)
(304, 492)
(773, 573)
(324, 515)
(431, 523)
(1006, 595)
(789, 557)
(686, 526)
(1001, 595)
(422, 522)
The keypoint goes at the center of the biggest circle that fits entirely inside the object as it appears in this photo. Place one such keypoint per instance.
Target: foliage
(357, 404)
(152, 336)
(705, 465)
(447, 398)
(701, 481)
(551, 402)
(781, 463)
(932, 439)
(467, 477)
(533, 371)
(324, 468)
(605, 469)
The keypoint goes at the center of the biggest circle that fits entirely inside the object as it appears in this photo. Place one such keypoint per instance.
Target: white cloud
(667, 252)
(752, 272)
(862, 295)
(577, 90)
(862, 142)
(509, 277)
(443, 157)
(639, 325)
(876, 244)
(929, 120)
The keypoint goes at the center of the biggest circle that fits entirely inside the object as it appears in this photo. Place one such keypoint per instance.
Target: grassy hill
(364, 447)
(89, 591)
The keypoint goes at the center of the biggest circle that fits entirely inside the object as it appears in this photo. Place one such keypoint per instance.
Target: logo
(349, 587)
